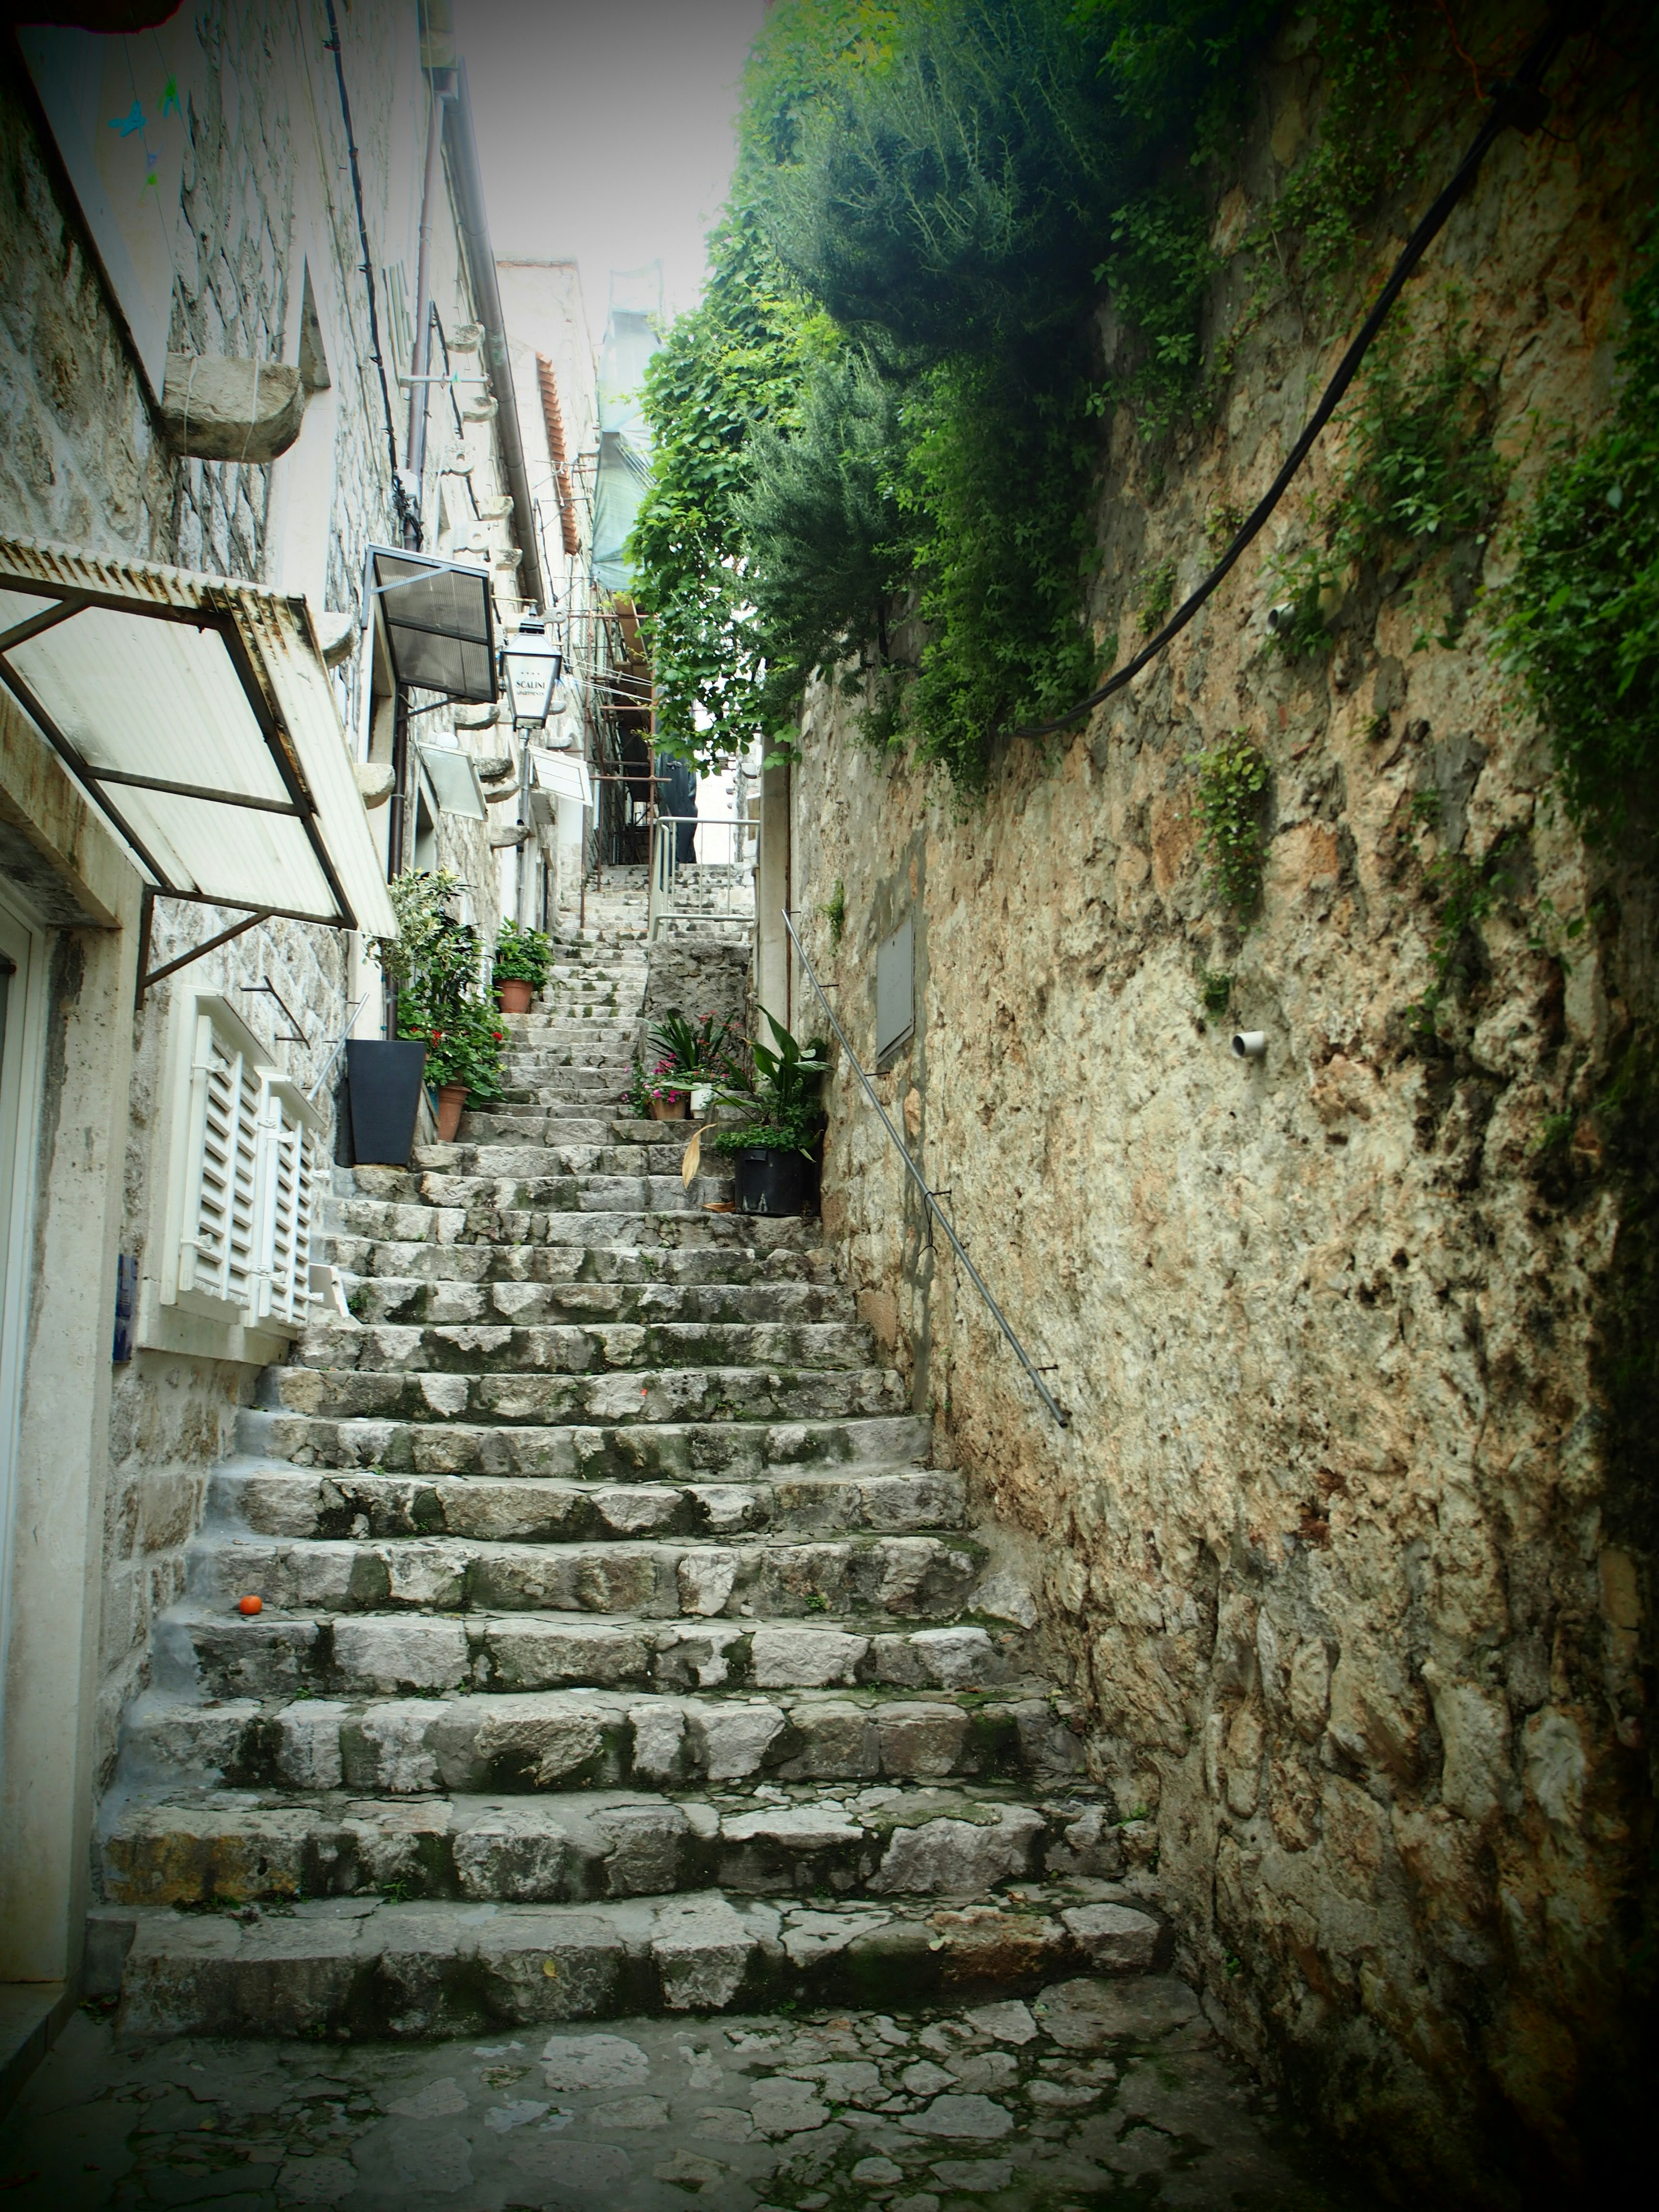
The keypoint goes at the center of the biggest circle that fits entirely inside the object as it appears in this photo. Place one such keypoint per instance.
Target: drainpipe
(442, 82)
(481, 268)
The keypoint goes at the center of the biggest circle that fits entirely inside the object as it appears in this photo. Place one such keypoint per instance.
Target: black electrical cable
(375, 356)
(1517, 104)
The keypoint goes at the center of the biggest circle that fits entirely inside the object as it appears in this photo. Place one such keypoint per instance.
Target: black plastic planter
(384, 1077)
(770, 1179)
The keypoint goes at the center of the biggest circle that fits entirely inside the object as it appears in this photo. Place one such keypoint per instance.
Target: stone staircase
(620, 1649)
(713, 900)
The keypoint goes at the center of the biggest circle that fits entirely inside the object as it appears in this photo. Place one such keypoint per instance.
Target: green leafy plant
(434, 963)
(1580, 620)
(703, 1051)
(522, 956)
(778, 1094)
(464, 1045)
(1232, 778)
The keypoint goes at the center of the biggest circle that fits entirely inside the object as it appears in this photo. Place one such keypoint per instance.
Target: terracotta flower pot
(515, 995)
(670, 1109)
(451, 1101)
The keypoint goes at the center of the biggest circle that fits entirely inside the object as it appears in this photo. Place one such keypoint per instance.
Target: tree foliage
(889, 386)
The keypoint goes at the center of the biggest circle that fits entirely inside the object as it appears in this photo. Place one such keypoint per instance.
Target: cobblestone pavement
(1096, 2094)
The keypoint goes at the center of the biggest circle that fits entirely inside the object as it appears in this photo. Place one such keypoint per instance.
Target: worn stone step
(623, 1270)
(918, 1577)
(605, 1086)
(272, 1499)
(541, 1400)
(411, 1301)
(357, 1968)
(524, 1741)
(657, 1150)
(478, 1349)
(644, 1148)
(219, 1653)
(573, 1193)
(231, 1847)
(384, 1223)
(631, 1451)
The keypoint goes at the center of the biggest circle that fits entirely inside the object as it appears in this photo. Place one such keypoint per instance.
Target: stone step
(353, 1967)
(520, 1159)
(275, 1498)
(411, 1301)
(573, 1124)
(667, 1229)
(213, 1652)
(272, 1498)
(631, 1395)
(917, 1578)
(605, 1084)
(232, 1847)
(629, 1451)
(603, 1271)
(569, 1348)
(530, 1192)
(520, 1743)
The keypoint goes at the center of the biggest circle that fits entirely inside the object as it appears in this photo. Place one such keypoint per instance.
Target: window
(249, 1175)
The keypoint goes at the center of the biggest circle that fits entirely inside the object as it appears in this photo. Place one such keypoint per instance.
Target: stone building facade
(1336, 1552)
(257, 118)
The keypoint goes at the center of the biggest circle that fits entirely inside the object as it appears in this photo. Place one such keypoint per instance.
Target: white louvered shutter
(217, 1249)
(287, 1184)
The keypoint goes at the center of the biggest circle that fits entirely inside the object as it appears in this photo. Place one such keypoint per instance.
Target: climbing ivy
(1419, 471)
(1232, 778)
(1580, 619)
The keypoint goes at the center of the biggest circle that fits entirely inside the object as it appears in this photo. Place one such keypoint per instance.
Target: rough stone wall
(686, 977)
(1330, 1554)
(82, 461)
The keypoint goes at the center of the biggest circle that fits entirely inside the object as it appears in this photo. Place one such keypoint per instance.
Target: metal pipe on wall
(415, 443)
(463, 149)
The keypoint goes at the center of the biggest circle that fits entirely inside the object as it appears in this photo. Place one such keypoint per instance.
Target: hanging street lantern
(530, 665)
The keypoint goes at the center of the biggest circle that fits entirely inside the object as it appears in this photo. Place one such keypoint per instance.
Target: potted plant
(700, 1052)
(463, 1060)
(669, 1100)
(441, 1013)
(771, 1151)
(523, 961)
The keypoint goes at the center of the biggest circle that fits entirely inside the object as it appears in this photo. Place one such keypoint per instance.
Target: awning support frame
(147, 974)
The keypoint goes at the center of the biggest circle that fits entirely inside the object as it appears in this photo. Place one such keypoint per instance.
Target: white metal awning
(199, 716)
(562, 773)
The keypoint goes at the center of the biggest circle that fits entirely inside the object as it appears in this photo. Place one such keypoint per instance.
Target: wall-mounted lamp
(531, 667)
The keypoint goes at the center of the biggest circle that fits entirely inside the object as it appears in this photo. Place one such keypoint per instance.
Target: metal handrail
(920, 1182)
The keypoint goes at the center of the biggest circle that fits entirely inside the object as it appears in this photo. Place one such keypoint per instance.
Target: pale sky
(604, 129)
